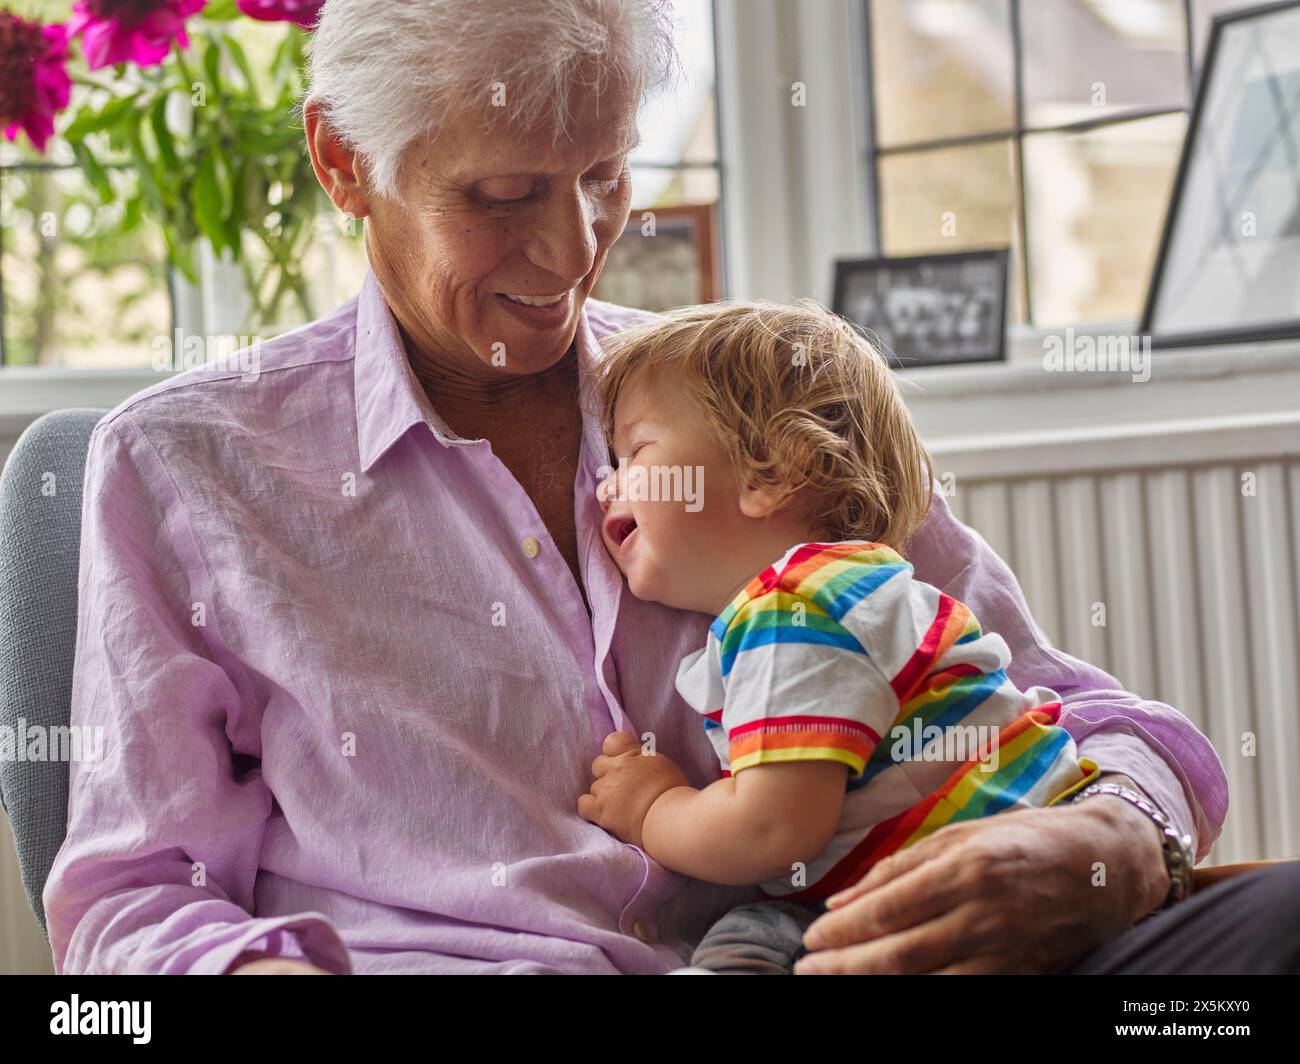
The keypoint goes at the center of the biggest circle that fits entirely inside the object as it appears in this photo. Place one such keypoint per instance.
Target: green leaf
(132, 214)
(221, 11)
(283, 67)
(92, 121)
(182, 255)
(145, 170)
(212, 200)
(163, 135)
(94, 172)
(241, 61)
(212, 68)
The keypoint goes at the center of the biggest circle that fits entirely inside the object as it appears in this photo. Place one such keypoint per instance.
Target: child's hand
(627, 784)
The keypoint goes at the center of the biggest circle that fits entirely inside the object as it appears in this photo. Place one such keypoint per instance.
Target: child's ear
(759, 502)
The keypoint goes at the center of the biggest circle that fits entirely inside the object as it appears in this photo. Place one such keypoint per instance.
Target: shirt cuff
(1129, 756)
(307, 937)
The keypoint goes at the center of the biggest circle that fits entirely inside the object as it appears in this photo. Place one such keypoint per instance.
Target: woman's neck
(474, 393)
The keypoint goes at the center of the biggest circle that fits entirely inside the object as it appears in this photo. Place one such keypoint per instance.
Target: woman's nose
(565, 241)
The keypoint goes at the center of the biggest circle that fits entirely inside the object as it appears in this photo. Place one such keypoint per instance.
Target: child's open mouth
(618, 530)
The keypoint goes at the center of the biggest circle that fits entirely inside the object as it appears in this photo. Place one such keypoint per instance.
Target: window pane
(654, 186)
(678, 125)
(953, 199)
(941, 68)
(1096, 205)
(84, 281)
(330, 266)
(1087, 58)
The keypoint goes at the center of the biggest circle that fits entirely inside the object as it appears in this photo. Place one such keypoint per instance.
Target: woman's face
(493, 214)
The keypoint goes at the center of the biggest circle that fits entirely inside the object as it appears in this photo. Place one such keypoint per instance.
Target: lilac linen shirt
(348, 710)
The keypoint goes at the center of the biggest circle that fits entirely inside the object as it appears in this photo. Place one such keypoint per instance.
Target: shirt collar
(390, 398)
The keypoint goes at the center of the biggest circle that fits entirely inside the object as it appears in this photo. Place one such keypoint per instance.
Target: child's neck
(768, 546)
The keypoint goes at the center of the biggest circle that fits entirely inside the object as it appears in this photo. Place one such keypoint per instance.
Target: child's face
(676, 522)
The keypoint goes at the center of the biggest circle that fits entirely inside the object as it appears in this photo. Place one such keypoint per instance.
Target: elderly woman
(355, 641)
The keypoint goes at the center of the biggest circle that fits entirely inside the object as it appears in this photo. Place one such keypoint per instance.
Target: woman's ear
(339, 169)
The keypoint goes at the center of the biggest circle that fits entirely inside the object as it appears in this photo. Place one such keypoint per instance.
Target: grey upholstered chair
(40, 536)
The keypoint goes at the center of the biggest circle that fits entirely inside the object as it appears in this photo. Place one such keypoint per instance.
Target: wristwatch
(1177, 849)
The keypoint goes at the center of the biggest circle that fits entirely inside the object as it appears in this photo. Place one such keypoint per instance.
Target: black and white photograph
(930, 310)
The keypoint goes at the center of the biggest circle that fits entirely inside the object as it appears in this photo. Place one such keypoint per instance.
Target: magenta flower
(303, 12)
(34, 85)
(136, 31)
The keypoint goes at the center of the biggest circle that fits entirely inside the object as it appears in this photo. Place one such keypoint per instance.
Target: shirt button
(531, 547)
(641, 931)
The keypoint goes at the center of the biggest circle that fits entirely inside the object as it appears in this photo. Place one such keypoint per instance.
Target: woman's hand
(626, 786)
(1031, 891)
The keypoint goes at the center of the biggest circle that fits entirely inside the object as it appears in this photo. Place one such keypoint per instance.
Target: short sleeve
(799, 686)
(919, 638)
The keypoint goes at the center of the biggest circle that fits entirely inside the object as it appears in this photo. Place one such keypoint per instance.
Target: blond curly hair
(802, 402)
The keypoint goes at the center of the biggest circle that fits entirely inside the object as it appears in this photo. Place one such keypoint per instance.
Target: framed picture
(666, 258)
(929, 310)
(1228, 268)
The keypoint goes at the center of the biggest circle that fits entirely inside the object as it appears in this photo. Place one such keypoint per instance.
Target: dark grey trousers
(1247, 925)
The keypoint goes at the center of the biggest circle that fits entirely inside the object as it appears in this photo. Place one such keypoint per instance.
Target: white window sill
(1012, 402)
(1020, 404)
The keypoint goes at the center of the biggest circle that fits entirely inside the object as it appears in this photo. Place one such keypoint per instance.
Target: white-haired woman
(355, 640)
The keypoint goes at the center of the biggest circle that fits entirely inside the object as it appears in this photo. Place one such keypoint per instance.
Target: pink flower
(303, 12)
(137, 31)
(34, 85)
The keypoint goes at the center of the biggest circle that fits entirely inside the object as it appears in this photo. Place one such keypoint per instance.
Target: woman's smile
(544, 316)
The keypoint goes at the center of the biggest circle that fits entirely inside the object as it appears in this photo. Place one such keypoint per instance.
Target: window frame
(1015, 136)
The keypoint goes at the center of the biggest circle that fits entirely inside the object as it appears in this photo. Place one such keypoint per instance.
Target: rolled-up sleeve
(1150, 742)
(156, 874)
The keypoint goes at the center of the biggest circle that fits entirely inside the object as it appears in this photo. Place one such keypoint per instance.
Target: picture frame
(929, 310)
(1234, 211)
(674, 266)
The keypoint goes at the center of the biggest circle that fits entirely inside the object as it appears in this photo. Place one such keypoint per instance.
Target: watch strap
(1177, 849)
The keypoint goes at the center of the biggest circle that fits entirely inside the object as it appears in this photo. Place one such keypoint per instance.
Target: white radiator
(1171, 558)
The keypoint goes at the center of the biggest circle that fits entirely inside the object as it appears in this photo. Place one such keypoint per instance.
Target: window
(82, 282)
(85, 283)
(676, 166)
(677, 159)
(1049, 126)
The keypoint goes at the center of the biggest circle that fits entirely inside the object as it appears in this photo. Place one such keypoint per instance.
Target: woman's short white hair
(389, 73)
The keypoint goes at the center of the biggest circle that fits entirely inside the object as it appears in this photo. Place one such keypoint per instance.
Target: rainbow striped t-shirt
(836, 652)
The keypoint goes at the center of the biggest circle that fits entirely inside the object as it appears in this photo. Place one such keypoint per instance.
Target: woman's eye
(605, 184)
(502, 192)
